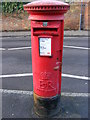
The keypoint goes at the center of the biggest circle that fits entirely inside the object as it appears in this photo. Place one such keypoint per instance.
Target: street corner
(32, 60)
(21, 106)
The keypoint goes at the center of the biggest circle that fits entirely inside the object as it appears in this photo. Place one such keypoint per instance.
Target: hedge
(10, 7)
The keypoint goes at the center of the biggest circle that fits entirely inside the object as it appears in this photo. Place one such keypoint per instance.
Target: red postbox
(47, 27)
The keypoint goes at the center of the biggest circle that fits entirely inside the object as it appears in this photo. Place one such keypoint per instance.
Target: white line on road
(75, 94)
(19, 48)
(22, 48)
(16, 92)
(2, 49)
(31, 93)
(75, 47)
(16, 75)
(31, 74)
(75, 76)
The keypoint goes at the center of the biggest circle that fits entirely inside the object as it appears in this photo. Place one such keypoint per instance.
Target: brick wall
(16, 22)
(72, 17)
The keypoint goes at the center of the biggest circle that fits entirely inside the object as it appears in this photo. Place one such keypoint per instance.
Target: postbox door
(46, 61)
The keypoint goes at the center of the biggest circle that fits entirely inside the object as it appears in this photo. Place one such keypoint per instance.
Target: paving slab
(21, 106)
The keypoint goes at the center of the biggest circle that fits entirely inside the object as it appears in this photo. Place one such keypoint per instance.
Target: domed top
(47, 5)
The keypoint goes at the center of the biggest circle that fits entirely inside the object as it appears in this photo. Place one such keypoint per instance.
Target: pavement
(21, 106)
(17, 77)
(28, 33)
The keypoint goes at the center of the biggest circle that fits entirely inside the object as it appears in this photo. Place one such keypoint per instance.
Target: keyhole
(57, 58)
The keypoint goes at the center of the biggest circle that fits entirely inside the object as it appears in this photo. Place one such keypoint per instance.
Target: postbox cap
(46, 10)
(47, 5)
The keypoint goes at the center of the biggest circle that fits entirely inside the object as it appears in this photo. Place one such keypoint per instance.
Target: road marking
(75, 47)
(31, 74)
(16, 92)
(2, 49)
(75, 94)
(19, 48)
(76, 77)
(16, 75)
(70, 94)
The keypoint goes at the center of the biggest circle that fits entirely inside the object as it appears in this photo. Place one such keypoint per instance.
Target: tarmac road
(18, 61)
(17, 75)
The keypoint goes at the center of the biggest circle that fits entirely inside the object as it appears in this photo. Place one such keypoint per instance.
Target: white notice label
(45, 46)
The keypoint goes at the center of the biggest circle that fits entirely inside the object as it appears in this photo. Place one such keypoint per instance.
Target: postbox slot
(47, 31)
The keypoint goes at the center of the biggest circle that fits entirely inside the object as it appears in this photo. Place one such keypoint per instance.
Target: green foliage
(10, 7)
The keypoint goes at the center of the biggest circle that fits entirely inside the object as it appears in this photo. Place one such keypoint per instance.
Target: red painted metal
(47, 69)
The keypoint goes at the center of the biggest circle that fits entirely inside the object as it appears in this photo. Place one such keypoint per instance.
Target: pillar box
(47, 28)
